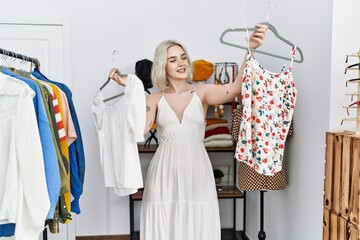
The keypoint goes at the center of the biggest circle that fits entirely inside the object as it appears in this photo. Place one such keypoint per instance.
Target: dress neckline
(180, 120)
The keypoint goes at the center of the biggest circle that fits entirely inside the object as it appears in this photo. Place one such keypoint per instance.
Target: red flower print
(247, 95)
(259, 134)
(270, 117)
(282, 137)
(283, 130)
(250, 161)
(266, 150)
(264, 160)
(273, 134)
(249, 141)
(281, 146)
(261, 77)
(242, 150)
(267, 143)
(276, 75)
(272, 102)
(257, 120)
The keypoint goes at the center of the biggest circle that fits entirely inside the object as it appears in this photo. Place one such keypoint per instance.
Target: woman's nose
(181, 62)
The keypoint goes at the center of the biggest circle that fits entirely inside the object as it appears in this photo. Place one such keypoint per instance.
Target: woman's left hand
(257, 37)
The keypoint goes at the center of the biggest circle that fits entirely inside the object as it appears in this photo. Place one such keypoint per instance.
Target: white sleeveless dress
(180, 199)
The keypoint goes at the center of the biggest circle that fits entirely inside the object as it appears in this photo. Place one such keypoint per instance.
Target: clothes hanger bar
(225, 64)
(271, 28)
(113, 97)
(20, 56)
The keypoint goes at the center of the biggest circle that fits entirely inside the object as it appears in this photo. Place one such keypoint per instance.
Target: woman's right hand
(114, 75)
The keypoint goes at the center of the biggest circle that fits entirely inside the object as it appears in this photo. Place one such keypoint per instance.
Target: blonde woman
(180, 199)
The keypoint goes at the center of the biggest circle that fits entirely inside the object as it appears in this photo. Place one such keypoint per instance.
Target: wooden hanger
(271, 28)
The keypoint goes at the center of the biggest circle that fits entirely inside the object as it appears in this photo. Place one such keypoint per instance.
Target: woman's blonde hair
(158, 73)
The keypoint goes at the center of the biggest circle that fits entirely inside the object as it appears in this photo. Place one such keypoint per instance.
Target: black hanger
(271, 28)
(352, 80)
(351, 67)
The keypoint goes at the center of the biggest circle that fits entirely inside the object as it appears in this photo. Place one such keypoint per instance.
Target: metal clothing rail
(20, 56)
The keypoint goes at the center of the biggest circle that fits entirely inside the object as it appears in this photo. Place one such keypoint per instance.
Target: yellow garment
(63, 143)
(210, 121)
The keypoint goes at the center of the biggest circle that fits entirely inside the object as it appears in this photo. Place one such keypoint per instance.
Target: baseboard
(109, 237)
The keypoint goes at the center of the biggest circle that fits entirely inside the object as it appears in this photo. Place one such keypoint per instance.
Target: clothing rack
(20, 56)
(36, 62)
(262, 234)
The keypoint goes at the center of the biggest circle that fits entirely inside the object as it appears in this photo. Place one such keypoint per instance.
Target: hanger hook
(113, 57)
(271, 6)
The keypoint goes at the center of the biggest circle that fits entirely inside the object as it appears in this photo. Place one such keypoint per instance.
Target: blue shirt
(76, 149)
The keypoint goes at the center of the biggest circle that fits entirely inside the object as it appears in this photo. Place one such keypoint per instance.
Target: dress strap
(291, 56)
(293, 52)
(247, 40)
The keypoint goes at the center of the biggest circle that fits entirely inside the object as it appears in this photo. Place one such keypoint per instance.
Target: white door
(41, 38)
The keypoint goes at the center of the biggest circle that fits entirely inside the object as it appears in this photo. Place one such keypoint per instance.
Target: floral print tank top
(268, 101)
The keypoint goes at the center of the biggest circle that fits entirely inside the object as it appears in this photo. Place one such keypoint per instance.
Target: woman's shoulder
(154, 97)
(201, 89)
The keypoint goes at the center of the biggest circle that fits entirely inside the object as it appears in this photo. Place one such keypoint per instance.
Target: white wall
(134, 28)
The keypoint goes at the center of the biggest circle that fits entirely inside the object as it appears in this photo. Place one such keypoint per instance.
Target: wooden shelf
(222, 191)
(152, 149)
(229, 192)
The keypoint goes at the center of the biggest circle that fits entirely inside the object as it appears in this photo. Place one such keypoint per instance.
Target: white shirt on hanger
(119, 127)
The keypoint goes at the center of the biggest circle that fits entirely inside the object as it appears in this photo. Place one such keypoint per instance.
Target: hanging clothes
(76, 148)
(268, 101)
(52, 168)
(120, 127)
(48, 148)
(56, 164)
(24, 198)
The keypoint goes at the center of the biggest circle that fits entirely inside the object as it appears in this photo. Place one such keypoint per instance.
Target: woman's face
(177, 65)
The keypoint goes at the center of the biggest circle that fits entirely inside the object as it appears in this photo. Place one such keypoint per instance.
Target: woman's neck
(178, 87)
